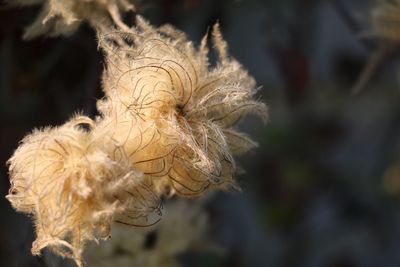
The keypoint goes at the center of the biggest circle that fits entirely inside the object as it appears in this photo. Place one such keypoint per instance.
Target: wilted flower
(75, 187)
(174, 112)
(62, 17)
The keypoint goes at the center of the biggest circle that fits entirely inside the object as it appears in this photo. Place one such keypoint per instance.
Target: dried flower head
(172, 111)
(386, 20)
(385, 25)
(62, 17)
(74, 187)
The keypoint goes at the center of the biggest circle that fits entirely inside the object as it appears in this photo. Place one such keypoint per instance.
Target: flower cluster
(166, 126)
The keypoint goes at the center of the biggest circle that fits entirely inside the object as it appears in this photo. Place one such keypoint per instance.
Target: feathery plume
(74, 187)
(174, 113)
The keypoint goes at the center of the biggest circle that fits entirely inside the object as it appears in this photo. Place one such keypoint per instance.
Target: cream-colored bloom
(184, 227)
(174, 112)
(75, 187)
(62, 17)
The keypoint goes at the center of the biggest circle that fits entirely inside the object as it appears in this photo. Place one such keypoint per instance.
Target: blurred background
(322, 189)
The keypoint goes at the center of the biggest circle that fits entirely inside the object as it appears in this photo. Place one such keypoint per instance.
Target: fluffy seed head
(178, 109)
(75, 187)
